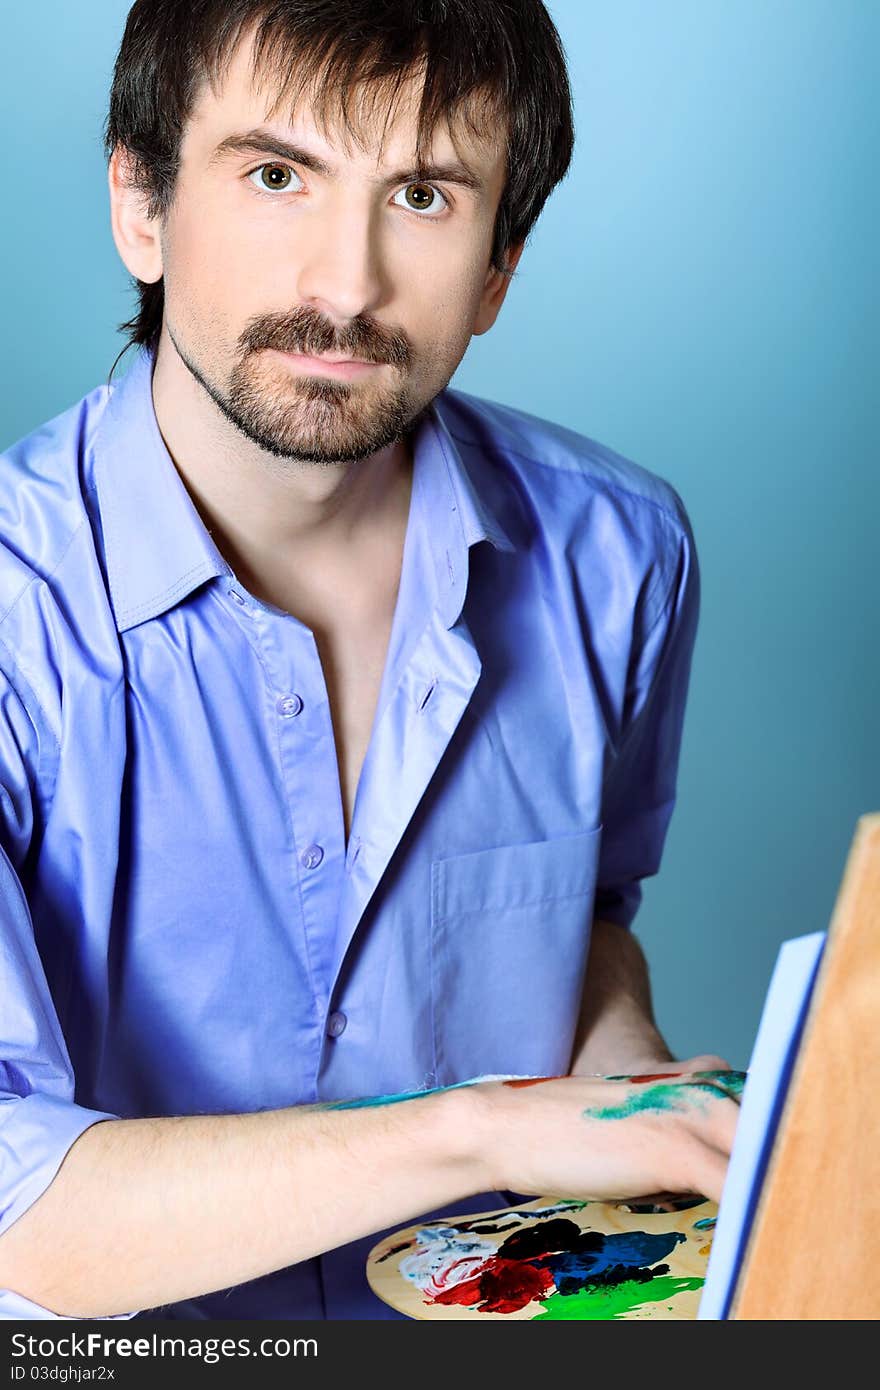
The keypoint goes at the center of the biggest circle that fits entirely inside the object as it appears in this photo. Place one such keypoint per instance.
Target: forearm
(616, 1029)
(147, 1212)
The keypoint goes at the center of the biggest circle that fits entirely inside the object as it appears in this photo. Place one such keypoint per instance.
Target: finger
(709, 1171)
(705, 1061)
(723, 1119)
(658, 1202)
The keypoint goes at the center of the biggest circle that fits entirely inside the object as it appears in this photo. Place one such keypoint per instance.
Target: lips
(335, 358)
(332, 364)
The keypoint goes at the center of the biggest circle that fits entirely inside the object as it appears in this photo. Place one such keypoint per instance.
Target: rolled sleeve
(639, 791)
(36, 1132)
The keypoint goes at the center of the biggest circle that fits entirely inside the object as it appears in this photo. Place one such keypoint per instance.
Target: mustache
(307, 331)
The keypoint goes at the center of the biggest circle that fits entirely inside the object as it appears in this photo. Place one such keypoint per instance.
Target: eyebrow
(261, 141)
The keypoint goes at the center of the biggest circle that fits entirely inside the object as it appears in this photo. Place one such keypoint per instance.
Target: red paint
(505, 1287)
(661, 1076)
(532, 1080)
(466, 1294)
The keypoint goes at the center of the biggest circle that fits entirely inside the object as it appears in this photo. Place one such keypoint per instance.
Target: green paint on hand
(615, 1302)
(659, 1099)
(731, 1082)
(672, 1095)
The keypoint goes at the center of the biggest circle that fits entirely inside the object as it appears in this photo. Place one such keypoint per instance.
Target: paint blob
(615, 1301)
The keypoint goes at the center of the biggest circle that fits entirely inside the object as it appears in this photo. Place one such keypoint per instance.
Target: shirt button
(289, 705)
(336, 1025)
(311, 857)
(236, 597)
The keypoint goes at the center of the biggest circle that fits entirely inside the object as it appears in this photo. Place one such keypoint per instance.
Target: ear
(135, 233)
(494, 290)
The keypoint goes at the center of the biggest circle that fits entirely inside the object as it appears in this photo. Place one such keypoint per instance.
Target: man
(335, 706)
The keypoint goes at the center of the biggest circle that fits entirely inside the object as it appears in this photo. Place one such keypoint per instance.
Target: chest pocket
(510, 931)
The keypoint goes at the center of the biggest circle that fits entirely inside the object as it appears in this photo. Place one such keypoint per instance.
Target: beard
(315, 419)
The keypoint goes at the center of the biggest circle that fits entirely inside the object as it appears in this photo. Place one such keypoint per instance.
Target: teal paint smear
(707, 1223)
(659, 1099)
(731, 1082)
(666, 1096)
(367, 1101)
(613, 1303)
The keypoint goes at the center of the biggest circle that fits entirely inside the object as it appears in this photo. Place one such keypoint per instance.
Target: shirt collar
(158, 550)
(456, 513)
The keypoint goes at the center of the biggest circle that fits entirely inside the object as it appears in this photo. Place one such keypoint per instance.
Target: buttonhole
(427, 695)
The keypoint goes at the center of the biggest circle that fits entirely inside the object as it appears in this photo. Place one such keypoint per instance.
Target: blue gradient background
(702, 296)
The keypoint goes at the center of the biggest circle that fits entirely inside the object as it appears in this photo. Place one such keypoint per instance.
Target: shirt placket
(300, 715)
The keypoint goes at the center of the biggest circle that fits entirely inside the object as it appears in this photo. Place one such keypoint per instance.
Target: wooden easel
(814, 1247)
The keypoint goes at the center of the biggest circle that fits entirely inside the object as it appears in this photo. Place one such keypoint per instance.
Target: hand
(610, 1139)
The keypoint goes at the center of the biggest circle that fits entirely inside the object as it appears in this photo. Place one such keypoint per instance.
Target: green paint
(660, 1098)
(731, 1082)
(612, 1303)
(663, 1096)
(706, 1224)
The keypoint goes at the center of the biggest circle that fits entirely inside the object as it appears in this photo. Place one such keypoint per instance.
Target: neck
(271, 517)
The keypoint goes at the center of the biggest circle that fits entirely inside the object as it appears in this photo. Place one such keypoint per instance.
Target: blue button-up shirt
(184, 927)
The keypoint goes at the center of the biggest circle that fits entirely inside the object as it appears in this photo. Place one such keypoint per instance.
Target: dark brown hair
(497, 64)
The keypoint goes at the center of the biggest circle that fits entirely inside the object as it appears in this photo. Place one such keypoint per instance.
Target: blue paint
(706, 1224)
(620, 1257)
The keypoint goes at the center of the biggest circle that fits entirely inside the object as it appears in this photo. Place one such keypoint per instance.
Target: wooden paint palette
(549, 1259)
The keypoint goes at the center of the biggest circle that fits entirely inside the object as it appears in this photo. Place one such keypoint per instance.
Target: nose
(341, 270)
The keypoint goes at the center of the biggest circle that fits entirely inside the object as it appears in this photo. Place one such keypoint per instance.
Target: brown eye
(423, 198)
(420, 196)
(274, 176)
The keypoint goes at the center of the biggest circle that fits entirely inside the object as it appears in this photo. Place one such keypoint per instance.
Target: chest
(353, 659)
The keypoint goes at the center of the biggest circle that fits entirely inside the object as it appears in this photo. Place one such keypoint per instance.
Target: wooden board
(548, 1260)
(814, 1246)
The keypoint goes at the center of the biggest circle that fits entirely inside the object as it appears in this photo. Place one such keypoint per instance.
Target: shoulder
(50, 574)
(565, 476)
(45, 483)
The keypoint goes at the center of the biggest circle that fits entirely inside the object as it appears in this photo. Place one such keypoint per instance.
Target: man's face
(319, 291)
